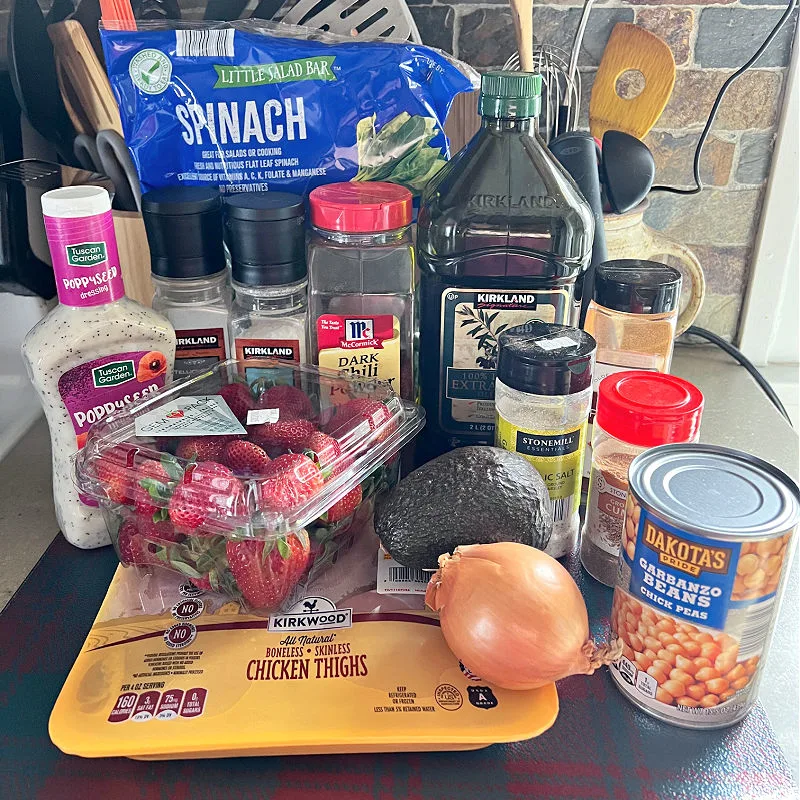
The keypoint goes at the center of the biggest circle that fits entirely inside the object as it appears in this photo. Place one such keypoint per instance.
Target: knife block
(134, 255)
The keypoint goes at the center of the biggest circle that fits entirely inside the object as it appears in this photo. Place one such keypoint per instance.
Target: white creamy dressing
(66, 338)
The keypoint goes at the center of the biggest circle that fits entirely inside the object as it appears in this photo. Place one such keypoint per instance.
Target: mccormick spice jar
(361, 283)
(696, 603)
(543, 391)
(635, 411)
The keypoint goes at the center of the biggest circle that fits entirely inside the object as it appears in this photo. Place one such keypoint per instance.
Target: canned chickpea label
(707, 534)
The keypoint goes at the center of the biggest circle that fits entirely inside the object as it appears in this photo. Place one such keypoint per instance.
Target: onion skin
(513, 615)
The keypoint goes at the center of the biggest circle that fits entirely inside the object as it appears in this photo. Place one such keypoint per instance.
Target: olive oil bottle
(504, 236)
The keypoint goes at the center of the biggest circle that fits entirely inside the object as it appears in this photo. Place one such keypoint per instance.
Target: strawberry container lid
(228, 453)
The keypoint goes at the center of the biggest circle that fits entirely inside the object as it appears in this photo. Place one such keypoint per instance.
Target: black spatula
(628, 170)
(33, 76)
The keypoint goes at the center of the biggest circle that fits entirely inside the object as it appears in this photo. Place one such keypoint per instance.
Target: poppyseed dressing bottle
(503, 236)
(95, 352)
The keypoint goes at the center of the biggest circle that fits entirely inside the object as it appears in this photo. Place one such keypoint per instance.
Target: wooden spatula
(522, 14)
(79, 65)
(631, 48)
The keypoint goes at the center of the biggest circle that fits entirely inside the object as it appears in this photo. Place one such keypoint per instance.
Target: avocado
(471, 495)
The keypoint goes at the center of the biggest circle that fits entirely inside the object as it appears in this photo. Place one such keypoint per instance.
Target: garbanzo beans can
(707, 542)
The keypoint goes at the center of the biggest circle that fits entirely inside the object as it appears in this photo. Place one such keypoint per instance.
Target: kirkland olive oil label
(196, 350)
(557, 455)
(472, 319)
(366, 348)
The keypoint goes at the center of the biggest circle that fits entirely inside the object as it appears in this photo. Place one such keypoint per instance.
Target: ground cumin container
(696, 604)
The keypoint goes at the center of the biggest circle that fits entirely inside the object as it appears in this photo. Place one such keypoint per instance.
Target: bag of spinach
(257, 106)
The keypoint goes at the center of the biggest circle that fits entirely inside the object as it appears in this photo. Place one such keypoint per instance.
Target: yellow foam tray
(213, 682)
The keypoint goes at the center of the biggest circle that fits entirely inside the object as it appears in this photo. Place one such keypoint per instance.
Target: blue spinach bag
(254, 106)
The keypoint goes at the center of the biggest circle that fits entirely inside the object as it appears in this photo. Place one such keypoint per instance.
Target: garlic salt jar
(543, 392)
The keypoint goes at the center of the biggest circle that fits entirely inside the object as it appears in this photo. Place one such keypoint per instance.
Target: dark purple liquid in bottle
(503, 237)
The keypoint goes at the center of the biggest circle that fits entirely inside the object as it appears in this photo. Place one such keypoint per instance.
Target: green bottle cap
(510, 95)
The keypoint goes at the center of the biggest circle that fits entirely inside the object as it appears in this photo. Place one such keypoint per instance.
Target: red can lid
(648, 408)
(360, 207)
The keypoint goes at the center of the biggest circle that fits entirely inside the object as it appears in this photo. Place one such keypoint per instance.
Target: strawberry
(374, 415)
(282, 435)
(323, 449)
(291, 401)
(203, 582)
(132, 548)
(239, 399)
(161, 532)
(341, 466)
(115, 469)
(152, 489)
(266, 572)
(208, 493)
(245, 457)
(202, 448)
(290, 480)
(345, 507)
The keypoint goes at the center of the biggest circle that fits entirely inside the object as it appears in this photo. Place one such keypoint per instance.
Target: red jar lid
(648, 408)
(360, 207)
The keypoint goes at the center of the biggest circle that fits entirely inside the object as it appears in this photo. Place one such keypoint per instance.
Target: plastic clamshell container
(241, 698)
(177, 491)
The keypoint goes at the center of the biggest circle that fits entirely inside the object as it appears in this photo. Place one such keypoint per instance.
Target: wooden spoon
(522, 12)
(631, 48)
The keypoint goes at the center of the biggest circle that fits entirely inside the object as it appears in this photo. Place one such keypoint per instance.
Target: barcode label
(562, 508)
(406, 575)
(394, 578)
(207, 42)
(756, 627)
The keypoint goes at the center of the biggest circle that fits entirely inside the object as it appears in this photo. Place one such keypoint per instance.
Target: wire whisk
(561, 93)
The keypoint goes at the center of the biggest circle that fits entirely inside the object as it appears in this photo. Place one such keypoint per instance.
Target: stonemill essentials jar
(543, 392)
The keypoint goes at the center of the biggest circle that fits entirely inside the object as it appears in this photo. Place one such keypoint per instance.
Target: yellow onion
(513, 615)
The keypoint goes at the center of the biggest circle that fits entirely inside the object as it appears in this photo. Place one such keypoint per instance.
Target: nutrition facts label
(171, 704)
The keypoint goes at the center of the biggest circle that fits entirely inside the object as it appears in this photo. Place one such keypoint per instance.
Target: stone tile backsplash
(709, 40)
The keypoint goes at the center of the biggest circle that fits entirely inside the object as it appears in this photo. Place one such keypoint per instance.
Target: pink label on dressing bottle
(85, 259)
(95, 389)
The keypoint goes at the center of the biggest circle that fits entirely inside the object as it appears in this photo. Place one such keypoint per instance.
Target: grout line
(456, 29)
(693, 34)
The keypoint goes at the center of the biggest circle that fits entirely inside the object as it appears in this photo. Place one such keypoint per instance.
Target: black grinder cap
(265, 233)
(635, 286)
(540, 358)
(184, 231)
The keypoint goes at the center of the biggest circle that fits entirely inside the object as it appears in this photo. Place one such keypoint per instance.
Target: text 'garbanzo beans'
(707, 534)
